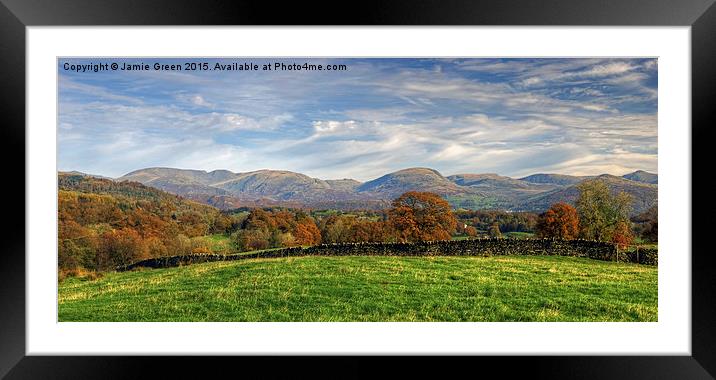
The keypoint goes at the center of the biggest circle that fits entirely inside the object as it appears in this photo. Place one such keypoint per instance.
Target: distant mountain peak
(225, 189)
(555, 179)
(416, 170)
(642, 176)
(77, 173)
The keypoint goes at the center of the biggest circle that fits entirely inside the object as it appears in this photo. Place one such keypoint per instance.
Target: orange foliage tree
(561, 221)
(120, 247)
(622, 235)
(306, 233)
(421, 216)
(370, 231)
(272, 229)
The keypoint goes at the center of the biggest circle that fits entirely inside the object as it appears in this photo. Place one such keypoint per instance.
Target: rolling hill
(642, 176)
(125, 195)
(553, 179)
(225, 189)
(422, 179)
(645, 195)
(505, 191)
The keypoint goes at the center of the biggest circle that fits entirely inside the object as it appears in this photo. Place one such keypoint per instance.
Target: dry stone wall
(472, 247)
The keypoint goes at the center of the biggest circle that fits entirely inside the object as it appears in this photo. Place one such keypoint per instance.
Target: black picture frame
(16, 15)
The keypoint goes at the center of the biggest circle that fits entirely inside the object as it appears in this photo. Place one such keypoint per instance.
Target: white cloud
(605, 70)
(548, 115)
(199, 101)
(332, 127)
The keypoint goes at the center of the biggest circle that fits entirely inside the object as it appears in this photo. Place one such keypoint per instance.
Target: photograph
(357, 189)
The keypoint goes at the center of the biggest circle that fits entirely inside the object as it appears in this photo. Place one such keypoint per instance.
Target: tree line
(598, 215)
(103, 224)
(414, 216)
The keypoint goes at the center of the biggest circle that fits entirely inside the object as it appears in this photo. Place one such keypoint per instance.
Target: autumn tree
(76, 245)
(259, 219)
(600, 212)
(370, 231)
(120, 247)
(272, 229)
(306, 233)
(252, 239)
(156, 247)
(256, 231)
(622, 235)
(494, 230)
(352, 229)
(470, 231)
(465, 229)
(223, 223)
(178, 245)
(337, 228)
(561, 221)
(104, 223)
(200, 245)
(421, 216)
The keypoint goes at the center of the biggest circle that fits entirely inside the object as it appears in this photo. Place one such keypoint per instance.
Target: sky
(512, 117)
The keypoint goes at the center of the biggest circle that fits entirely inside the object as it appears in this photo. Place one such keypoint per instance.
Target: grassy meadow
(502, 288)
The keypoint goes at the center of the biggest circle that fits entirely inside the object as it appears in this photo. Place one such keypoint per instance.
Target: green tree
(601, 212)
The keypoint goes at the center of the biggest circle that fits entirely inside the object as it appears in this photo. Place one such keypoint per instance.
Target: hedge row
(473, 247)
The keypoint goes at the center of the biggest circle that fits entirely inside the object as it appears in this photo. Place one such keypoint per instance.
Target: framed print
(417, 181)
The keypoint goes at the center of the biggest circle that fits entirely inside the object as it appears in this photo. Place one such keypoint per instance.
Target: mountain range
(226, 190)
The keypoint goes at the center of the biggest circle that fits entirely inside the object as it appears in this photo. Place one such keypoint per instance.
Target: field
(519, 235)
(504, 288)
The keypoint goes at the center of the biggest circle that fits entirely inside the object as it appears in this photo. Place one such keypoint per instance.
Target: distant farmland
(506, 288)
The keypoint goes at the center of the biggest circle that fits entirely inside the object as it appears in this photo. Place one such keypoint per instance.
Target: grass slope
(506, 288)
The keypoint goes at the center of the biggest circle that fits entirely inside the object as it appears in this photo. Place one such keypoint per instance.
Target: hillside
(380, 289)
(262, 187)
(645, 195)
(642, 176)
(282, 185)
(553, 179)
(103, 223)
(505, 192)
(225, 189)
(393, 184)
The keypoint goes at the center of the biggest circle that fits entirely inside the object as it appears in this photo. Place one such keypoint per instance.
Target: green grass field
(502, 288)
(519, 235)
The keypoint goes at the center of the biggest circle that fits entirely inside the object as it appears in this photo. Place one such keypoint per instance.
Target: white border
(670, 335)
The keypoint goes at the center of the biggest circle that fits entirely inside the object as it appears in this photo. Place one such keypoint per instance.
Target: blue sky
(508, 116)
